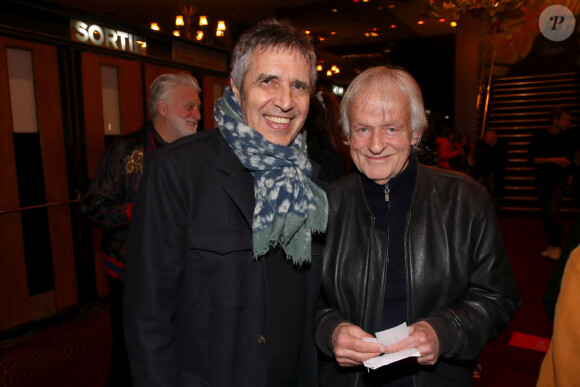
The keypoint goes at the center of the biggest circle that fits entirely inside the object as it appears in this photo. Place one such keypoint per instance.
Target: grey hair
(162, 86)
(270, 33)
(384, 80)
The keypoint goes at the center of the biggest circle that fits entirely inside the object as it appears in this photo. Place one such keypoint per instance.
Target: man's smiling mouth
(277, 120)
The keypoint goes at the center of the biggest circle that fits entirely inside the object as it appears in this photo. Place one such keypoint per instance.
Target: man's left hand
(423, 337)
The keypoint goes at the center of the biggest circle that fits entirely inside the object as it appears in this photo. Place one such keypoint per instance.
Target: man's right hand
(349, 348)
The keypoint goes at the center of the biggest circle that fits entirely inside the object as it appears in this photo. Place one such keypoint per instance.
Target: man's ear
(162, 108)
(235, 90)
(414, 138)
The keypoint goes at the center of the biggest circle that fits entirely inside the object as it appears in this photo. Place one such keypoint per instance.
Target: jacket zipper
(388, 201)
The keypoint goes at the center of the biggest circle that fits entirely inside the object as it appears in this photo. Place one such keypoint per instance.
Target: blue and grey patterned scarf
(289, 206)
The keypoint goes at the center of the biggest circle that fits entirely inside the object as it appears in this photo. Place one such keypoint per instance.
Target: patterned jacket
(108, 202)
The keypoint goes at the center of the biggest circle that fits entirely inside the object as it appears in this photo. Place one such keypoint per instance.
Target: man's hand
(349, 348)
(423, 337)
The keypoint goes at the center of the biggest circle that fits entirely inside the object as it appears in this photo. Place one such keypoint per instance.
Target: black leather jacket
(459, 277)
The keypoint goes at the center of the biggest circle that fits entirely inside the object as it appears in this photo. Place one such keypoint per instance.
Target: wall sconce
(199, 35)
(221, 27)
(203, 21)
(179, 21)
(155, 26)
(176, 33)
(319, 67)
(328, 73)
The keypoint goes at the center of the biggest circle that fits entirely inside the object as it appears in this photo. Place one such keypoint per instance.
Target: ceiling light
(328, 73)
(457, 7)
(335, 10)
(442, 20)
(453, 24)
(155, 26)
(393, 26)
(420, 22)
(319, 67)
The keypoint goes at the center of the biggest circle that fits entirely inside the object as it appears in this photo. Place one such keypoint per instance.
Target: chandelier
(188, 27)
(446, 8)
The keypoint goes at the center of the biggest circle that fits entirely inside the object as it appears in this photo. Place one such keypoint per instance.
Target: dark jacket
(113, 191)
(200, 310)
(459, 278)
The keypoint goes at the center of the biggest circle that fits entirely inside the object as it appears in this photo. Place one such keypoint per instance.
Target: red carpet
(503, 364)
(77, 353)
(73, 354)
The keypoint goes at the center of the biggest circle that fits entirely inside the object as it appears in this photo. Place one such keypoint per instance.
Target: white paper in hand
(389, 337)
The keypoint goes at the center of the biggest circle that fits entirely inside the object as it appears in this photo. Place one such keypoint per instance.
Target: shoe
(555, 254)
(477, 372)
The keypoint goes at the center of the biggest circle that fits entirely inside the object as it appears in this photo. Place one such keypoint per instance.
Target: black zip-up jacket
(458, 274)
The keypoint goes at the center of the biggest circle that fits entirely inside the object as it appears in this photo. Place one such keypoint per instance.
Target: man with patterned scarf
(223, 274)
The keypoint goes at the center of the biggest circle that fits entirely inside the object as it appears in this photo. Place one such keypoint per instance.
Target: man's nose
(284, 98)
(197, 114)
(378, 141)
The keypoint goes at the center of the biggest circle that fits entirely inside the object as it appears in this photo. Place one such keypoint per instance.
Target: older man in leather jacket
(409, 244)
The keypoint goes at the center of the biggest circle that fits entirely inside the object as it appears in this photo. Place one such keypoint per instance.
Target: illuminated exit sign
(96, 35)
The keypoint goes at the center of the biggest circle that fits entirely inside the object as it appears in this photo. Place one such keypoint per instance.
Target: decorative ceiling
(351, 34)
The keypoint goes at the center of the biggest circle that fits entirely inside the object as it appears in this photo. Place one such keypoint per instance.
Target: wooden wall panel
(47, 83)
(130, 95)
(210, 97)
(93, 109)
(13, 280)
(132, 108)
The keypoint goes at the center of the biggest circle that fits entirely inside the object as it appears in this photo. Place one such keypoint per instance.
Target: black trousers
(120, 372)
(550, 197)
